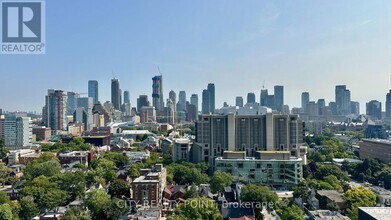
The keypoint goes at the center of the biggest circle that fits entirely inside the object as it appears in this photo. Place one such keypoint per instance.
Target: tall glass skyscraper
(305, 99)
(208, 99)
(194, 101)
(212, 100)
(157, 93)
(239, 101)
(115, 94)
(182, 101)
(342, 99)
(55, 110)
(126, 97)
(93, 91)
(278, 97)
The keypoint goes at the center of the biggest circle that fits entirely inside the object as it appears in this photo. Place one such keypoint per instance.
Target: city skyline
(273, 43)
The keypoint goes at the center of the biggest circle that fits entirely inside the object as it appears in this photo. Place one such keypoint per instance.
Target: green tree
(291, 212)
(134, 171)
(28, 208)
(359, 197)
(4, 198)
(329, 169)
(4, 173)
(6, 212)
(260, 194)
(38, 168)
(3, 150)
(119, 188)
(220, 180)
(333, 181)
(191, 193)
(198, 208)
(113, 211)
(119, 159)
(72, 183)
(96, 201)
(45, 192)
(102, 171)
(76, 213)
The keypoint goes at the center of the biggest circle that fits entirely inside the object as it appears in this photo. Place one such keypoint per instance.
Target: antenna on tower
(158, 69)
(263, 85)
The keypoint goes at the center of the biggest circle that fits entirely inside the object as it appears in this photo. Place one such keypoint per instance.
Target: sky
(240, 46)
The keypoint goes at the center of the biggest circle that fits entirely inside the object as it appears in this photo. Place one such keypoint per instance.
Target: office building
(270, 102)
(55, 111)
(142, 101)
(342, 100)
(374, 109)
(264, 95)
(170, 111)
(250, 98)
(71, 102)
(305, 99)
(172, 96)
(42, 133)
(194, 101)
(388, 104)
(333, 107)
(157, 93)
(275, 168)
(2, 119)
(181, 149)
(278, 98)
(182, 101)
(17, 132)
(355, 107)
(250, 133)
(205, 101)
(212, 97)
(115, 94)
(24, 132)
(239, 101)
(208, 99)
(375, 149)
(93, 91)
(87, 104)
(191, 113)
(321, 104)
(147, 114)
(126, 97)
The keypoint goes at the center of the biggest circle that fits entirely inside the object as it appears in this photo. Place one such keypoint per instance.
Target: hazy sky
(238, 45)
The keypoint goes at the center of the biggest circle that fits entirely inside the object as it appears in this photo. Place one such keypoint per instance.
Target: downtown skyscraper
(342, 100)
(278, 97)
(305, 99)
(208, 99)
(55, 111)
(115, 94)
(93, 91)
(157, 93)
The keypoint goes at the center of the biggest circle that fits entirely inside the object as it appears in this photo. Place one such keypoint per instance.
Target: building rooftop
(182, 141)
(383, 213)
(74, 153)
(332, 195)
(327, 215)
(255, 159)
(142, 179)
(135, 132)
(375, 140)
